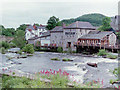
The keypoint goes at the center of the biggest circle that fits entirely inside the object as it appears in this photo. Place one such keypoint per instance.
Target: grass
(56, 59)
(102, 52)
(23, 82)
(112, 56)
(66, 59)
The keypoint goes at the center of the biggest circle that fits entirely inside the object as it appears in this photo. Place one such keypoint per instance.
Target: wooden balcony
(107, 46)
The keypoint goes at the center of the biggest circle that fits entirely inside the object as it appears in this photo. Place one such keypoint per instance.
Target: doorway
(69, 44)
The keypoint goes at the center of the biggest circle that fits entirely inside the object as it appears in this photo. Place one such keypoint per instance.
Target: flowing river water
(78, 67)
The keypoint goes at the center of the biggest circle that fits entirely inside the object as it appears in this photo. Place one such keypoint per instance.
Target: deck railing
(96, 45)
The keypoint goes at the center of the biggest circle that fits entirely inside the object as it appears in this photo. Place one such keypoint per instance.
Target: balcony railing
(96, 45)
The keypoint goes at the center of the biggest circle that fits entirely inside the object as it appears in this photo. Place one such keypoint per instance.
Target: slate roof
(96, 35)
(45, 34)
(57, 28)
(37, 27)
(33, 38)
(80, 24)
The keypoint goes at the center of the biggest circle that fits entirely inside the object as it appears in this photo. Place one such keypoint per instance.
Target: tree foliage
(53, 22)
(19, 39)
(22, 27)
(4, 44)
(94, 19)
(7, 31)
(28, 49)
(105, 24)
(59, 49)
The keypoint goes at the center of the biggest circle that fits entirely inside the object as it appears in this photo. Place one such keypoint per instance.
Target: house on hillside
(101, 38)
(34, 31)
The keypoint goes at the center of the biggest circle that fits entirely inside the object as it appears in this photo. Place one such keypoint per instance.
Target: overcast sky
(16, 12)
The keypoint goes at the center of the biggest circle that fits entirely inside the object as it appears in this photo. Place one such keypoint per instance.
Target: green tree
(37, 24)
(7, 31)
(28, 49)
(1, 28)
(19, 39)
(22, 27)
(53, 22)
(105, 24)
(59, 49)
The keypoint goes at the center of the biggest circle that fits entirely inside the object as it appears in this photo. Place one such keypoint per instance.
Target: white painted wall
(112, 39)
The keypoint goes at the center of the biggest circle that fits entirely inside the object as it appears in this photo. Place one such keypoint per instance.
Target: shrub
(56, 59)
(65, 59)
(12, 45)
(60, 49)
(28, 49)
(112, 80)
(3, 50)
(37, 48)
(13, 73)
(69, 50)
(4, 44)
(73, 51)
(64, 51)
(20, 52)
(102, 52)
(111, 56)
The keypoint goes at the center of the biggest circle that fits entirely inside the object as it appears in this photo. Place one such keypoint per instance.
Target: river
(42, 61)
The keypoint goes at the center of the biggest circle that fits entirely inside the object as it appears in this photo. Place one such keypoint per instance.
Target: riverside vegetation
(59, 79)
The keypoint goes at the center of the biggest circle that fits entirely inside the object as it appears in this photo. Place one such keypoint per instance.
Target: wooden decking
(97, 45)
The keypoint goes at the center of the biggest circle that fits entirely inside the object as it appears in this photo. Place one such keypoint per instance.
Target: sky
(16, 12)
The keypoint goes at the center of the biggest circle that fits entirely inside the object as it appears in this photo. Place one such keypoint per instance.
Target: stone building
(74, 31)
(67, 36)
(56, 36)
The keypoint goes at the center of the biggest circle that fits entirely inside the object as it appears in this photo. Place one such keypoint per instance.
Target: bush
(56, 59)
(111, 56)
(60, 49)
(37, 48)
(73, 51)
(20, 52)
(28, 49)
(64, 51)
(3, 50)
(102, 52)
(65, 59)
(4, 44)
(12, 45)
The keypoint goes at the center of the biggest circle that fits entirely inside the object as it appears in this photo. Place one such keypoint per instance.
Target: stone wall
(56, 38)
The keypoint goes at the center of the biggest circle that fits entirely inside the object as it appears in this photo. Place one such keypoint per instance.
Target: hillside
(95, 19)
